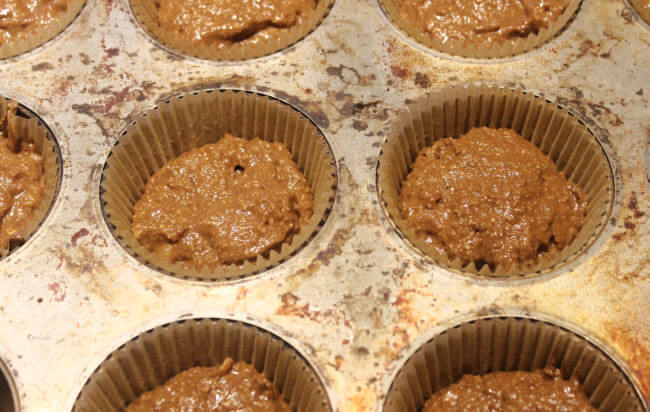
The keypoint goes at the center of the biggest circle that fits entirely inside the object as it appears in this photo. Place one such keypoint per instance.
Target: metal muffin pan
(355, 301)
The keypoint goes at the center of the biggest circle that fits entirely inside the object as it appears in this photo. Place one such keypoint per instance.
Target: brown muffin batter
(22, 182)
(511, 392)
(491, 196)
(644, 10)
(19, 18)
(223, 22)
(225, 388)
(223, 203)
(483, 22)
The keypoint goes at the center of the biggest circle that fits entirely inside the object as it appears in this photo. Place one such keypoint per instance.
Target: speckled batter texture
(223, 203)
(223, 22)
(19, 18)
(22, 182)
(229, 387)
(492, 197)
(482, 22)
(541, 391)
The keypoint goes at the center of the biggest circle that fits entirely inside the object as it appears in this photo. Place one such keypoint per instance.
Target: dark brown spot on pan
(634, 206)
(422, 80)
(42, 67)
(81, 233)
(348, 75)
(359, 125)
(399, 71)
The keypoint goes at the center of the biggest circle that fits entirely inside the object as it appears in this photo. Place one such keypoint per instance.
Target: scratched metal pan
(356, 300)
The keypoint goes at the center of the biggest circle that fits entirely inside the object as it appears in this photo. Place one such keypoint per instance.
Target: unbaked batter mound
(19, 18)
(223, 203)
(543, 391)
(22, 182)
(224, 22)
(492, 197)
(229, 387)
(481, 22)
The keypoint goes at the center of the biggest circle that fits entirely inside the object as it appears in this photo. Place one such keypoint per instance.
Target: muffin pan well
(491, 344)
(453, 111)
(353, 298)
(190, 121)
(157, 355)
(8, 392)
(28, 127)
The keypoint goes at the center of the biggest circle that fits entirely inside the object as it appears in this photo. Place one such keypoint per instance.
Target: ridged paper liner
(153, 357)
(8, 391)
(27, 128)
(31, 40)
(496, 344)
(452, 112)
(644, 12)
(146, 12)
(196, 119)
(460, 48)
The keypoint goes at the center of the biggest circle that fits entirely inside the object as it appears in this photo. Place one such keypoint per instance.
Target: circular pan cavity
(45, 34)
(28, 126)
(8, 391)
(510, 343)
(146, 13)
(191, 120)
(153, 357)
(509, 48)
(453, 111)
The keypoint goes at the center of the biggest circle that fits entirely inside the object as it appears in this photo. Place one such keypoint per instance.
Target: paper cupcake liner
(32, 40)
(28, 127)
(452, 112)
(509, 343)
(8, 391)
(153, 357)
(193, 120)
(146, 12)
(460, 48)
(642, 8)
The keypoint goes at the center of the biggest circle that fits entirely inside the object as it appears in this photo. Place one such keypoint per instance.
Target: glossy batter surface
(22, 182)
(491, 196)
(482, 22)
(19, 18)
(223, 22)
(223, 203)
(511, 392)
(224, 388)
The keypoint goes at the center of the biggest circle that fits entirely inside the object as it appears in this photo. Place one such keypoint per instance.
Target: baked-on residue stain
(81, 233)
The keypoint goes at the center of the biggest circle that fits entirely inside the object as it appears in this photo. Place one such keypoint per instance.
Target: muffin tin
(356, 300)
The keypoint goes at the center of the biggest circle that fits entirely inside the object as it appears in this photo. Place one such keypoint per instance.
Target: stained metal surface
(355, 301)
